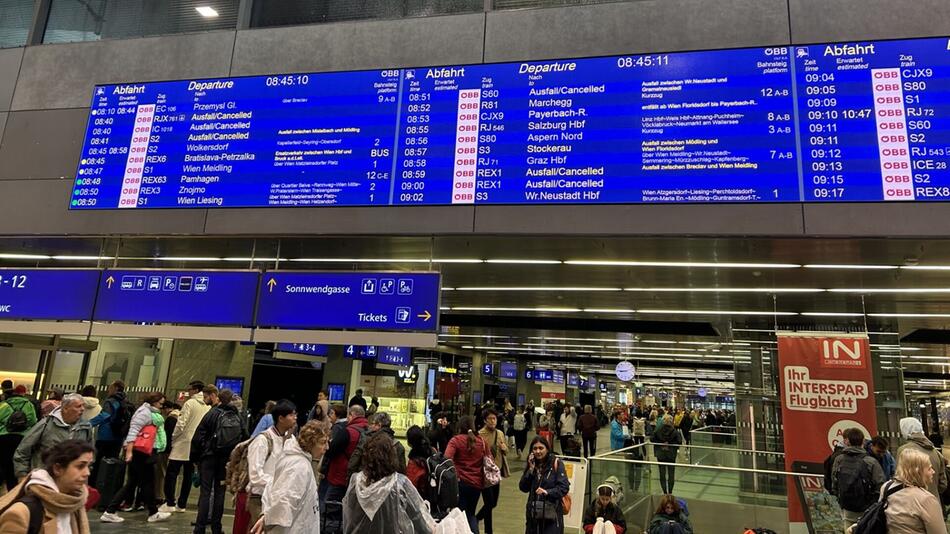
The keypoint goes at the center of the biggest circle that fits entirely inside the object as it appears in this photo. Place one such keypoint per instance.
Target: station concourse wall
(45, 92)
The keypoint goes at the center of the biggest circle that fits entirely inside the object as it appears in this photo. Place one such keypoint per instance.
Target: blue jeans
(468, 501)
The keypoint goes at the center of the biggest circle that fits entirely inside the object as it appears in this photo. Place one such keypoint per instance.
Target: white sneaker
(180, 510)
(167, 509)
(106, 517)
(158, 516)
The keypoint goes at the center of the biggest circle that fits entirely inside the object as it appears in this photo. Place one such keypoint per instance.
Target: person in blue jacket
(877, 448)
(616, 432)
(107, 425)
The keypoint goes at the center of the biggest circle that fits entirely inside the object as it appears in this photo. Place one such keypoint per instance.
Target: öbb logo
(838, 353)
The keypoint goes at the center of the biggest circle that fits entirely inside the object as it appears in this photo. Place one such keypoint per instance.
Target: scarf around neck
(56, 502)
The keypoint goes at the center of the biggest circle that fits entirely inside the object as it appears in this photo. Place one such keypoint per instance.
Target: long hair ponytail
(467, 426)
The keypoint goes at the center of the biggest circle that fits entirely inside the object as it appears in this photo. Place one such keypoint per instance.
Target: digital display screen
(401, 356)
(508, 370)
(356, 300)
(572, 379)
(557, 377)
(845, 122)
(337, 392)
(183, 297)
(37, 294)
(313, 349)
(234, 383)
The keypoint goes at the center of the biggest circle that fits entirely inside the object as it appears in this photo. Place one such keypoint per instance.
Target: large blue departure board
(856, 121)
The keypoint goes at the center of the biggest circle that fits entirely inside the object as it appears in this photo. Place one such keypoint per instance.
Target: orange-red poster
(826, 387)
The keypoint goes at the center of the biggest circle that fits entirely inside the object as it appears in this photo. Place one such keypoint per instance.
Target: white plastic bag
(454, 523)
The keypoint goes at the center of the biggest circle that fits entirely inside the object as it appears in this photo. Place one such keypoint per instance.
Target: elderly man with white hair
(913, 431)
(63, 423)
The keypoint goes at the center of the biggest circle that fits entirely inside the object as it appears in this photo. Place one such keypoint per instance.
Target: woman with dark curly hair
(51, 499)
(380, 500)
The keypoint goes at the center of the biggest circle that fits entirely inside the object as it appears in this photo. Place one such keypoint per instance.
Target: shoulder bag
(491, 472)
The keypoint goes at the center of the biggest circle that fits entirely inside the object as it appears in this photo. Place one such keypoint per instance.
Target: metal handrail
(645, 443)
(713, 467)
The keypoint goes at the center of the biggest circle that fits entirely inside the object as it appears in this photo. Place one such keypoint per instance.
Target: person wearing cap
(12, 434)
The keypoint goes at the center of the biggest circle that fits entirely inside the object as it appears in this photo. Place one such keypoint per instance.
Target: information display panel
(875, 124)
(37, 294)
(859, 121)
(295, 140)
(209, 298)
(396, 301)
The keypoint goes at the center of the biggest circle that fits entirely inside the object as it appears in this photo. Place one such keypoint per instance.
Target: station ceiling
(685, 309)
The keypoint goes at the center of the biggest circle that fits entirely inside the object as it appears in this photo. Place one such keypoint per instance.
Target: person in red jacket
(468, 452)
(341, 448)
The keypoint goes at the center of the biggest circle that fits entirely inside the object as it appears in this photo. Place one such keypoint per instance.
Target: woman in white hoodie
(380, 500)
(289, 503)
(90, 403)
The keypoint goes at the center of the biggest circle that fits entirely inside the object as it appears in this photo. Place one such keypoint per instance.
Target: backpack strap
(891, 490)
(35, 508)
(37, 513)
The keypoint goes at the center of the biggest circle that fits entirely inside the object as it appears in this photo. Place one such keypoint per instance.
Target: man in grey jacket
(62, 424)
(913, 432)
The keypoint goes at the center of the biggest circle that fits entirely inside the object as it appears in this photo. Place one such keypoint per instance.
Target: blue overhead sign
(401, 356)
(39, 294)
(359, 352)
(224, 298)
(313, 349)
(508, 370)
(349, 300)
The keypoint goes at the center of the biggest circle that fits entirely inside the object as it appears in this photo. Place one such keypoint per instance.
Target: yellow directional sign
(425, 316)
(271, 284)
(110, 281)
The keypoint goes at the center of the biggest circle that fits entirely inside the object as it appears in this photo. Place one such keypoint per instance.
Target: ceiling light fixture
(187, 258)
(525, 262)
(911, 315)
(538, 288)
(848, 266)
(892, 290)
(700, 264)
(831, 314)
(207, 12)
(490, 308)
(714, 312)
(609, 310)
(926, 267)
(7, 256)
(726, 289)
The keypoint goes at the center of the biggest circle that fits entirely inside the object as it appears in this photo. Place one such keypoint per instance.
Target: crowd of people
(906, 496)
(337, 469)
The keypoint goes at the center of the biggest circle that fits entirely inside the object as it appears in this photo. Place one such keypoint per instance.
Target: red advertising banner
(827, 386)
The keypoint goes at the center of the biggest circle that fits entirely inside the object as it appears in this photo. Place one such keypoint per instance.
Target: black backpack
(228, 432)
(855, 488)
(874, 519)
(121, 418)
(828, 464)
(17, 422)
(443, 485)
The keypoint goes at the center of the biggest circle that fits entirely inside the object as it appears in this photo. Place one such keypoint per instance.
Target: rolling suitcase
(109, 480)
